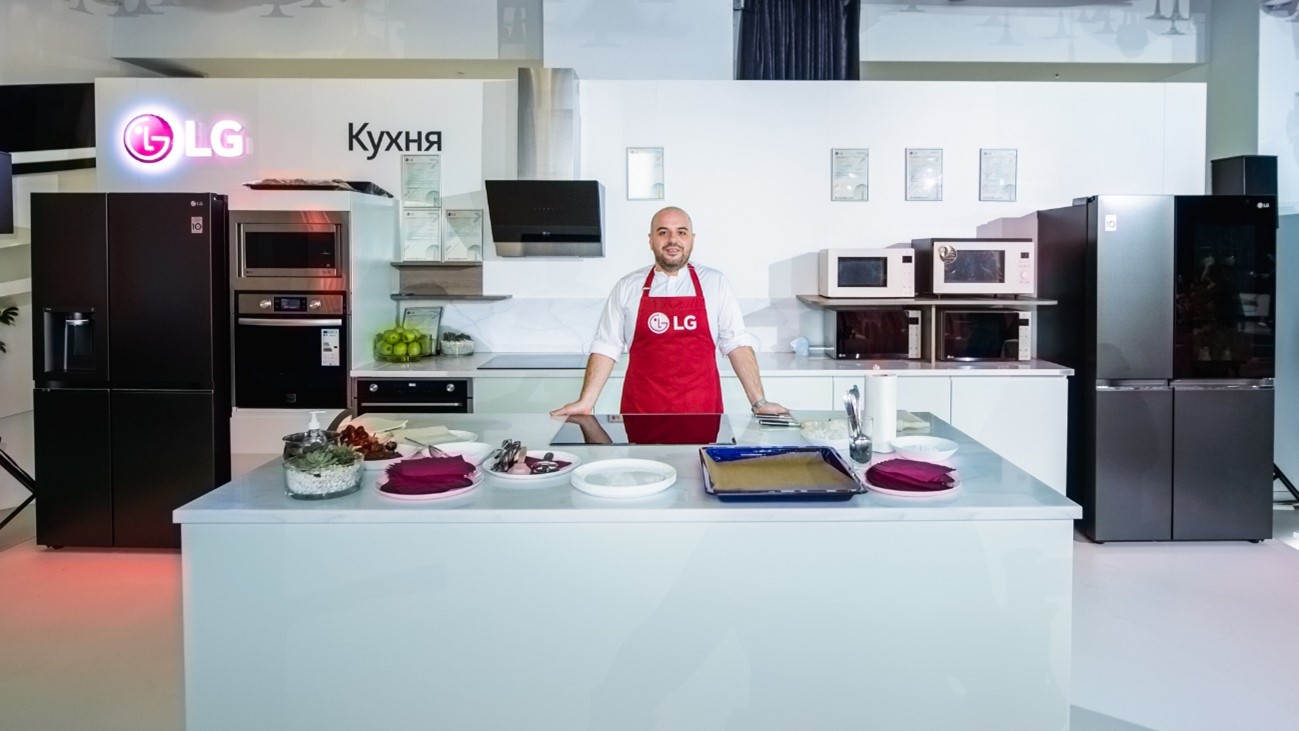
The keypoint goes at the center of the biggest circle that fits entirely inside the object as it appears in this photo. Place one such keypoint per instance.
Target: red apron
(672, 367)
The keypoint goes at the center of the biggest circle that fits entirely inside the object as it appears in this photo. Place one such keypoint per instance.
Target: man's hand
(771, 408)
(577, 407)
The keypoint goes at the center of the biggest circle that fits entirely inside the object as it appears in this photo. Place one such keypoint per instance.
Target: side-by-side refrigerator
(1165, 313)
(131, 363)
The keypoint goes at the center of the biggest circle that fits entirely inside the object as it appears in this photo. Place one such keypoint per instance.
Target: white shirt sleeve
(731, 333)
(609, 340)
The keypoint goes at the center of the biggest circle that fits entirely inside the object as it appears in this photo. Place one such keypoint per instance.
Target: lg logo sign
(659, 323)
(149, 138)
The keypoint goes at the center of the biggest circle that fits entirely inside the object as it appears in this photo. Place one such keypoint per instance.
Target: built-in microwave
(879, 333)
(277, 251)
(867, 273)
(976, 266)
(973, 335)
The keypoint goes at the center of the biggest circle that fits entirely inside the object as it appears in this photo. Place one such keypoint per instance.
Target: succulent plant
(454, 337)
(316, 460)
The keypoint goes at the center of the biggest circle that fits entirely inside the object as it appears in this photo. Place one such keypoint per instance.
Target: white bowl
(403, 451)
(925, 449)
(473, 452)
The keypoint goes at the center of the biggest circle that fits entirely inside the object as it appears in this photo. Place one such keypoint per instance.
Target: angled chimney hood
(547, 211)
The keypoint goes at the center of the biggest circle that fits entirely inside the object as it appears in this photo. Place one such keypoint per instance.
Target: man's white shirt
(613, 335)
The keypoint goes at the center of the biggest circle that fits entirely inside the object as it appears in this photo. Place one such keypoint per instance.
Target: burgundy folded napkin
(428, 476)
(909, 474)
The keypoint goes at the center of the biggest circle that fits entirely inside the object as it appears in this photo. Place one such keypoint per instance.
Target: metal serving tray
(811, 492)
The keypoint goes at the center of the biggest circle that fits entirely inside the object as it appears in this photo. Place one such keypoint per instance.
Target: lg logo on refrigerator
(150, 138)
(659, 323)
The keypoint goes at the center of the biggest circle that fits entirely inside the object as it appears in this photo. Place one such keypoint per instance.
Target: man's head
(671, 238)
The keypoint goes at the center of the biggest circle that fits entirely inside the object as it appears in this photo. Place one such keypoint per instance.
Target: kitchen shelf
(837, 303)
(433, 264)
(470, 297)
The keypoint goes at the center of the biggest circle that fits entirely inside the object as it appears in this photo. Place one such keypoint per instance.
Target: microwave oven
(974, 335)
(876, 334)
(279, 251)
(886, 273)
(976, 266)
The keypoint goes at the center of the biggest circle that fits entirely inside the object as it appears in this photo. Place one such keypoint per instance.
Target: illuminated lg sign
(149, 138)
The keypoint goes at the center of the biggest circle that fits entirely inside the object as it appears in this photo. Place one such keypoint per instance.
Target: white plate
(572, 459)
(403, 451)
(925, 449)
(624, 478)
(913, 493)
(476, 476)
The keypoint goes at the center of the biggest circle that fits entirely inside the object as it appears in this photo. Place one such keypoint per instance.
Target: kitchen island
(538, 607)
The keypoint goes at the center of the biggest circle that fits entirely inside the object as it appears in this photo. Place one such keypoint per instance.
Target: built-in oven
(974, 335)
(879, 333)
(290, 351)
(414, 395)
(286, 251)
(976, 266)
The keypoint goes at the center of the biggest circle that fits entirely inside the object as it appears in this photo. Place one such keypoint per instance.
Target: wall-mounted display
(997, 174)
(850, 174)
(924, 174)
(464, 236)
(421, 234)
(645, 174)
(421, 181)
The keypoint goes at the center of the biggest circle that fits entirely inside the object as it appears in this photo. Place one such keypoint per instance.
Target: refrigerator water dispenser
(69, 340)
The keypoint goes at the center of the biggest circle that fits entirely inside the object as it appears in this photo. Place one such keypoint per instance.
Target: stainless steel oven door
(275, 251)
(292, 352)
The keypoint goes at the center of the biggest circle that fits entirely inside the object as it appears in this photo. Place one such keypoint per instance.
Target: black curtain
(800, 40)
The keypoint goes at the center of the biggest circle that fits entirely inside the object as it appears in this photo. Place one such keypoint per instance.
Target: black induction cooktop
(616, 429)
(535, 361)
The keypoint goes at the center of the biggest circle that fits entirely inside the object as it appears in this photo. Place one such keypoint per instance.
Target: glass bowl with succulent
(329, 471)
(454, 343)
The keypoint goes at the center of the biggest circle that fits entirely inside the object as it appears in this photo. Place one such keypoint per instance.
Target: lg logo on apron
(659, 323)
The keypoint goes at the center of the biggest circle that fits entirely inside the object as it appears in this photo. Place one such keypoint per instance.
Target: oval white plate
(572, 459)
(913, 493)
(624, 478)
(925, 449)
(472, 451)
(476, 476)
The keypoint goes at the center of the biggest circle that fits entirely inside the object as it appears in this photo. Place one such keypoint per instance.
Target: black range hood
(546, 217)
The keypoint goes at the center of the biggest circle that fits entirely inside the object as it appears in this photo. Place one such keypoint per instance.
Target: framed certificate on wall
(998, 170)
(924, 174)
(850, 174)
(645, 174)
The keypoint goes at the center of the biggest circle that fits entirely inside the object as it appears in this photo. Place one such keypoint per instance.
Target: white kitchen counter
(772, 365)
(542, 608)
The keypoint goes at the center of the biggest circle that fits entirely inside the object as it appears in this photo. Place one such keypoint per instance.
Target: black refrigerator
(131, 363)
(1165, 314)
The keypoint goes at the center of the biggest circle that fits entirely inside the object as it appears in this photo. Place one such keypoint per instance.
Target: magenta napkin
(428, 476)
(909, 474)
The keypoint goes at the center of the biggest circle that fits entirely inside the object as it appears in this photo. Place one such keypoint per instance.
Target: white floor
(1169, 637)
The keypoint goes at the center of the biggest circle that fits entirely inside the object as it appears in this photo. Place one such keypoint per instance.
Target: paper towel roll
(882, 408)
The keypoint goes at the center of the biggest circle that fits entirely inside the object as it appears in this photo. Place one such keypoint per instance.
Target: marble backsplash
(530, 325)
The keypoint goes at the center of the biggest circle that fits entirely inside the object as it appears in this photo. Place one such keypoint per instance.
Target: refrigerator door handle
(291, 322)
(1224, 384)
(1132, 385)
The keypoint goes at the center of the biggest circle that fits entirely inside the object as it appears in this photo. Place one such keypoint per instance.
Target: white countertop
(991, 489)
(772, 365)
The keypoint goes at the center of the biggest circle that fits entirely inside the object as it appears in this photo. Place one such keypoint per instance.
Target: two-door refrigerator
(131, 363)
(1165, 314)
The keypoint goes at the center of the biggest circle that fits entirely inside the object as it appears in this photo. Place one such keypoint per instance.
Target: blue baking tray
(811, 492)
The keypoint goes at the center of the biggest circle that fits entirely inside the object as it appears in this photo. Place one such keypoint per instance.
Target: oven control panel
(290, 304)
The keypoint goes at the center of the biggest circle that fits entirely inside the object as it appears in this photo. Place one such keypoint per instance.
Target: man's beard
(671, 268)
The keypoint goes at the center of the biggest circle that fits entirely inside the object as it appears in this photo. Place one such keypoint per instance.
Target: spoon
(848, 404)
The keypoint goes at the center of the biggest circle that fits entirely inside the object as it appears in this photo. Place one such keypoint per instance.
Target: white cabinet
(1025, 420)
(532, 394)
(792, 392)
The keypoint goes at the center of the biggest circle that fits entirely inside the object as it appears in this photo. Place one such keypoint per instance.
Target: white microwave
(867, 273)
(976, 266)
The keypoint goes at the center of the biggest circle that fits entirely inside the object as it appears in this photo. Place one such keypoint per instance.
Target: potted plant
(454, 343)
(7, 317)
(326, 472)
